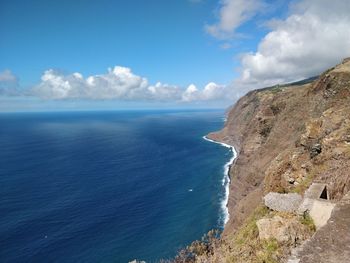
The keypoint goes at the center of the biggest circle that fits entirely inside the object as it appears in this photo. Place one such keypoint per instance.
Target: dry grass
(305, 184)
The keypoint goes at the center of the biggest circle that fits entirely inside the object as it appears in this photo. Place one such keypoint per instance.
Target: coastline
(226, 180)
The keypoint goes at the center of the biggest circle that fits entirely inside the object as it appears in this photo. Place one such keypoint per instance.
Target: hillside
(287, 137)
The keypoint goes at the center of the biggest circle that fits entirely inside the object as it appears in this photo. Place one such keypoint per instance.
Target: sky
(84, 54)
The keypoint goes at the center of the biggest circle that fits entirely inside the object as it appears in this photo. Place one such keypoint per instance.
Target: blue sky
(161, 39)
(166, 41)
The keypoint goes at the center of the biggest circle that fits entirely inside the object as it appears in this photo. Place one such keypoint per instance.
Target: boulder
(316, 149)
(284, 230)
(283, 202)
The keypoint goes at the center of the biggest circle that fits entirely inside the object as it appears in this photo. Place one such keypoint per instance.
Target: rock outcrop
(284, 229)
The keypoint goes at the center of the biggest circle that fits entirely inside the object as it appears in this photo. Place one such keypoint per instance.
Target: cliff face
(286, 137)
(260, 126)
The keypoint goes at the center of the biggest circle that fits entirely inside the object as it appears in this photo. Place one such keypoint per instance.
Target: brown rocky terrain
(286, 137)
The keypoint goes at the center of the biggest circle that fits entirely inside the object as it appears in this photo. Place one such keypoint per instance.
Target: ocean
(108, 186)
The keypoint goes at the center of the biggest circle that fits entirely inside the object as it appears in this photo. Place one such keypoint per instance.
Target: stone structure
(283, 202)
(316, 202)
(330, 244)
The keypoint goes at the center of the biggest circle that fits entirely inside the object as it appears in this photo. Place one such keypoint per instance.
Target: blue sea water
(107, 186)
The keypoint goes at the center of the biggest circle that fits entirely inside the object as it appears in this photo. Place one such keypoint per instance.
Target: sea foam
(226, 178)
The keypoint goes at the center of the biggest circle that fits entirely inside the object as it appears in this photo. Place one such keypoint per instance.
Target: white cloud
(191, 93)
(164, 92)
(122, 84)
(8, 83)
(117, 83)
(7, 76)
(314, 37)
(211, 92)
(232, 14)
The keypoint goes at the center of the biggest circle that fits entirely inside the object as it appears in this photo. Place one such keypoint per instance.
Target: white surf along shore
(226, 179)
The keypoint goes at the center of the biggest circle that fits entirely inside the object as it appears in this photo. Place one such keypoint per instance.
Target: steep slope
(259, 126)
(274, 131)
(286, 137)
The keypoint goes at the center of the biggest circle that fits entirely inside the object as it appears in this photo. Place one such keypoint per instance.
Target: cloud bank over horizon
(119, 83)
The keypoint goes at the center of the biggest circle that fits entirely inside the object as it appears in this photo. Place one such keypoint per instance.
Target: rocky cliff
(287, 137)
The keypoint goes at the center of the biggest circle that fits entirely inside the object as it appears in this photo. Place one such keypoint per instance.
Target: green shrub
(307, 221)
